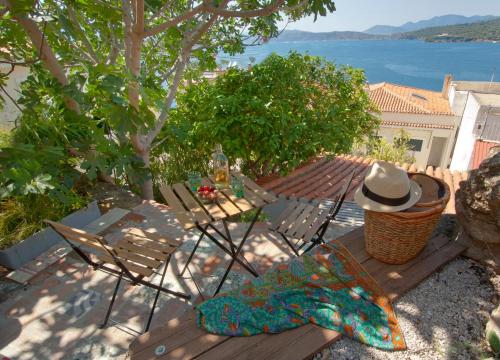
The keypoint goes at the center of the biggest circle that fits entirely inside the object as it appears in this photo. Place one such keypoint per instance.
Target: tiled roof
(417, 125)
(405, 99)
(324, 177)
(481, 150)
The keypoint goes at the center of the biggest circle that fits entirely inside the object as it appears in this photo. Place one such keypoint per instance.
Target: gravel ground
(443, 318)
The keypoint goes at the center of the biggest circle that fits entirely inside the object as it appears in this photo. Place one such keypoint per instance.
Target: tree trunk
(134, 37)
(147, 185)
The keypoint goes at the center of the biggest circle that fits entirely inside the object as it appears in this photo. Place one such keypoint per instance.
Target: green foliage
(5, 138)
(379, 148)
(480, 31)
(22, 216)
(26, 169)
(272, 117)
(112, 134)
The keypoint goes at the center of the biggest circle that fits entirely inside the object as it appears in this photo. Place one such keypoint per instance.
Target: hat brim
(368, 204)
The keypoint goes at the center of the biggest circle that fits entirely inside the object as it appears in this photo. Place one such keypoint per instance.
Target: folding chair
(306, 222)
(135, 257)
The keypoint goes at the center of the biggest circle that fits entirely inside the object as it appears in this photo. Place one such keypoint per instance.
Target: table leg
(225, 237)
(235, 256)
(227, 251)
(192, 253)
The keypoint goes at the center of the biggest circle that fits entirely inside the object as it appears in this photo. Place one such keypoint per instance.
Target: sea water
(409, 62)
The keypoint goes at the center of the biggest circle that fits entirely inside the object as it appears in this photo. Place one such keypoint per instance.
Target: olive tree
(116, 67)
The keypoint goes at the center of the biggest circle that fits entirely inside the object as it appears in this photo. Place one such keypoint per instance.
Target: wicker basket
(396, 238)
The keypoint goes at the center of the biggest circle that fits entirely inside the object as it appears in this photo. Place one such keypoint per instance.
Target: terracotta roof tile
(481, 149)
(417, 125)
(405, 99)
(324, 177)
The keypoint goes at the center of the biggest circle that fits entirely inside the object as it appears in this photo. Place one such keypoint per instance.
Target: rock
(493, 330)
(478, 200)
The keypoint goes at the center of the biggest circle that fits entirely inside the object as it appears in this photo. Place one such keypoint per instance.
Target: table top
(189, 210)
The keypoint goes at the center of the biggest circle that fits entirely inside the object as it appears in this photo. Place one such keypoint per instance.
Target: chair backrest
(341, 195)
(72, 235)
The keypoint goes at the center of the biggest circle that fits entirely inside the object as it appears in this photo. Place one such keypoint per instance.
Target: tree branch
(268, 10)
(174, 21)
(11, 98)
(90, 50)
(295, 7)
(44, 52)
(189, 41)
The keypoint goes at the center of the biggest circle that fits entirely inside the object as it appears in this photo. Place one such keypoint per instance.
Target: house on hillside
(478, 105)
(426, 115)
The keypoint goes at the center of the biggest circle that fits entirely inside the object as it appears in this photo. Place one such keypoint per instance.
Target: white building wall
(424, 134)
(10, 112)
(457, 99)
(465, 139)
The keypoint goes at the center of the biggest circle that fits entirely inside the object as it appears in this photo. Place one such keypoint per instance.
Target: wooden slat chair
(307, 222)
(135, 257)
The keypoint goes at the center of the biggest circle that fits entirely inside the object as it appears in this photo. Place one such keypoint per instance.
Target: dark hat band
(385, 200)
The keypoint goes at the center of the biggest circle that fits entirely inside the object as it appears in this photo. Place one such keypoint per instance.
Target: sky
(359, 15)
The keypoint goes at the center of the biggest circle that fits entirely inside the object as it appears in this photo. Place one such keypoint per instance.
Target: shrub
(379, 148)
(36, 182)
(271, 117)
(22, 216)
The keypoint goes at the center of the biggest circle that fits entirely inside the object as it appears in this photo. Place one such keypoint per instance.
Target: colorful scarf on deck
(328, 288)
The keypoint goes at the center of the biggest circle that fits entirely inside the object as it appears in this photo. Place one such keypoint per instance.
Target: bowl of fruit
(207, 193)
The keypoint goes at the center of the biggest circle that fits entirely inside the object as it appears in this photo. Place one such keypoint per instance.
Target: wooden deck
(182, 339)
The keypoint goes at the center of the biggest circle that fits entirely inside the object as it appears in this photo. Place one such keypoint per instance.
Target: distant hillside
(482, 31)
(298, 35)
(444, 20)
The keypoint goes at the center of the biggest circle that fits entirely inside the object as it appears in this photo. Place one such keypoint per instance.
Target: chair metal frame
(318, 236)
(122, 273)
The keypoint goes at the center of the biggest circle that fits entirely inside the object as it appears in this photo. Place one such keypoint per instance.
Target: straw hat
(387, 188)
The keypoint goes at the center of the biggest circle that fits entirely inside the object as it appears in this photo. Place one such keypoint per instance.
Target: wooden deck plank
(307, 340)
(410, 278)
(305, 346)
(378, 269)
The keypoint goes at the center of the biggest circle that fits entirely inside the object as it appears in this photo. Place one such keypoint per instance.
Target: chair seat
(301, 220)
(140, 254)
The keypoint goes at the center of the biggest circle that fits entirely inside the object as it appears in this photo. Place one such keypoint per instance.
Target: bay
(408, 62)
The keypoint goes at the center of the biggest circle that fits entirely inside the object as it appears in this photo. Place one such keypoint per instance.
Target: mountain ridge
(436, 21)
(300, 35)
(479, 31)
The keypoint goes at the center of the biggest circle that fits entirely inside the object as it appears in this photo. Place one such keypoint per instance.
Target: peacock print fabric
(329, 288)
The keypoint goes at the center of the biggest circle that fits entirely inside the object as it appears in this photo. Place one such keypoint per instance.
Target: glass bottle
(221, 168)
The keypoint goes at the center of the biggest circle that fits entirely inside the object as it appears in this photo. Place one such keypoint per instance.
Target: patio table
(193, 213)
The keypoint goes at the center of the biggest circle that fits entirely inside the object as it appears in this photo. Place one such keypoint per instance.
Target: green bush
(5, 138)
(379, 148)
(22, 216)
(36, 182)
(271, 117)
